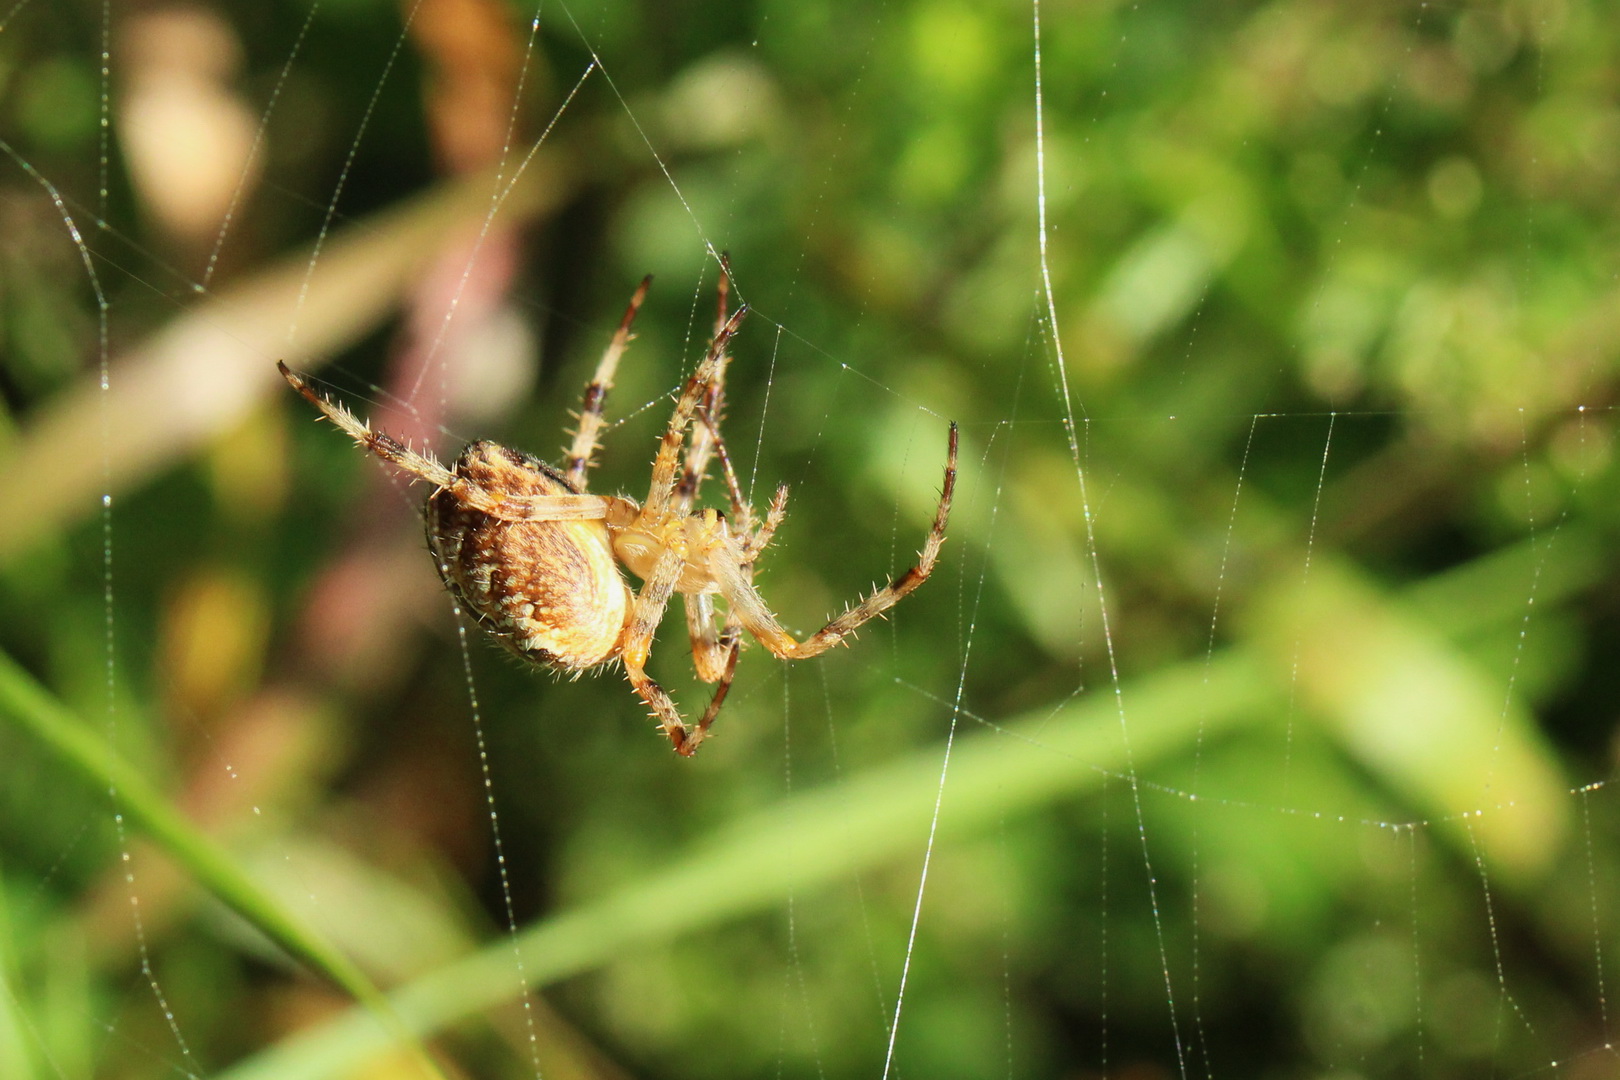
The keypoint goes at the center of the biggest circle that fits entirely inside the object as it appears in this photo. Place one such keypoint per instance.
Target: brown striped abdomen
(550, 592)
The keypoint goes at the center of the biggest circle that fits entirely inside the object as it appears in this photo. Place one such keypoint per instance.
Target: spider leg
(696, 463)
(427, 467)
(659, 584)
(729, 568)
(723, 289)
(709, 645)
(661, 495)
(578, 461)
(774, 514)
(539, 507)
(758, 535)
(714, 656)
(380, 443)
(645, 614)
(702, 730)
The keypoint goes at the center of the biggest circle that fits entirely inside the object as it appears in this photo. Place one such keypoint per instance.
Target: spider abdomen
(549, 591)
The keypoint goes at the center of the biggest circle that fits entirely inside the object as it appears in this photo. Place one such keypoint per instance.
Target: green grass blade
(810, 840)
(822, 836)
(146, 808)
(18, 1060)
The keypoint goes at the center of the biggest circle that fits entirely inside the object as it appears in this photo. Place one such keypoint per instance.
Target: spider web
(1260, 721)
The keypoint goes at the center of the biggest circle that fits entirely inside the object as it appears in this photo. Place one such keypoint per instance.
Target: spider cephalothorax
(536, 559)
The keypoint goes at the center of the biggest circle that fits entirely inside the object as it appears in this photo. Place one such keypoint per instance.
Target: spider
(536, 559)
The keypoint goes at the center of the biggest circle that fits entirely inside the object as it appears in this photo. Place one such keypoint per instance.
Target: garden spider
(535, 559)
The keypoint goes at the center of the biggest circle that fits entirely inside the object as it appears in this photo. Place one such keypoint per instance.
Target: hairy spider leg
(578, 462)
(735, 585)
(701, 447)
(700, 615)
(732, 565)
(707, 645)
(427, 467)
(645, 614)
(661, 493)
(656, 591)
(757, 534)
(708, 442)
(713, 650)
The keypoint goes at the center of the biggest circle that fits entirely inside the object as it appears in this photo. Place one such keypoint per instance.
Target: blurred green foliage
(1274, 650)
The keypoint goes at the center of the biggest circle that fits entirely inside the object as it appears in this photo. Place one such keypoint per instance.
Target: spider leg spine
(380, 443)
(775, 514)
(589, 419)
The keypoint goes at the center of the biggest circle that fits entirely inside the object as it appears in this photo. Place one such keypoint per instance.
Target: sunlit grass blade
(146, 809)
